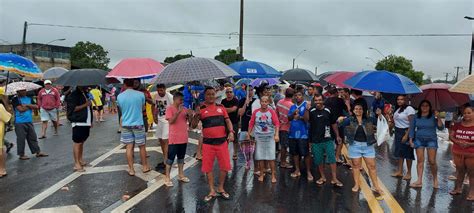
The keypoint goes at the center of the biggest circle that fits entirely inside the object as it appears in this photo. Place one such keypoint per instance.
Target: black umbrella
(83, 77)
(11, 75)
(299, 75)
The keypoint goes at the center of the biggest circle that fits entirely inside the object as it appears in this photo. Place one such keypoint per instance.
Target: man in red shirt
(215, 122)
(49, 101)
(282, 108)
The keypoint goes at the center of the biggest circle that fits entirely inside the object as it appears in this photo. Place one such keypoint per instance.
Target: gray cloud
(433, 55)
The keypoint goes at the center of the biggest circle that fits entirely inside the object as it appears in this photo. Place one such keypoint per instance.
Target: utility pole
(472, 45)
(241, 33)
(457, 72)
(23, 43)
(446, 74)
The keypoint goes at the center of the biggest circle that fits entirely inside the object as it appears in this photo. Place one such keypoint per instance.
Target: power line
(254, 35)
(179, 49)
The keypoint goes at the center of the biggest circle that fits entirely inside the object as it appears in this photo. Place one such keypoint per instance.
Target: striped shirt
(213, 123)
(282, 108)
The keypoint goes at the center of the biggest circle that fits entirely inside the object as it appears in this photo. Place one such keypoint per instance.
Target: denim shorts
(361, 149)
(427, 142)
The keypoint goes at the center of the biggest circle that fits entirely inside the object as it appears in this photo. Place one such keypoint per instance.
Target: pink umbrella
(339, 77)
(440, 97)
(136, 68)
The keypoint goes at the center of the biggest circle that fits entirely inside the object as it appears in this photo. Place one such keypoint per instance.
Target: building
(44, 55)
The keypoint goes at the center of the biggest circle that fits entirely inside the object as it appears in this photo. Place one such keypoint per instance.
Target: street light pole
(316, 68)
(241, 35)
(371, 59)
(23, 42)
(294, 59)
(472, 45)
(373, 48)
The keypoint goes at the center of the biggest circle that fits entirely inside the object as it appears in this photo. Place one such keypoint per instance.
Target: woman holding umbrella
(423, 136)
(462, 135)
(403, 151)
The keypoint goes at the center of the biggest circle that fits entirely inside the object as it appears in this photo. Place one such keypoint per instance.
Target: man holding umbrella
(79, 112)
(24, 128)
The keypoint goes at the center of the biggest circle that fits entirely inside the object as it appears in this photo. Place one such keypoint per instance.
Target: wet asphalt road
(33, 184)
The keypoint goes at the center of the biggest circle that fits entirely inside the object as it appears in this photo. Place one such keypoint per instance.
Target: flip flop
(470, 198)
(209, 198)
(337, 183)
(79, 170)
(310, 178)
(184, 179)
(454, 192)
(321, 181)
(131, 173)
(42, 137)
(24, 158)
(40, 155)
(295, 175)
(3, 175)
(413, 185)
(146, 171)
(224, 195)
(355, 190)
(169, 183)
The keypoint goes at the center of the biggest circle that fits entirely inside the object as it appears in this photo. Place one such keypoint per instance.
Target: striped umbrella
(20, 65)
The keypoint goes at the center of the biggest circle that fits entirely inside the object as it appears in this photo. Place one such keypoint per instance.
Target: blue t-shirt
(26, 116)
(298, 128)
(131, 104)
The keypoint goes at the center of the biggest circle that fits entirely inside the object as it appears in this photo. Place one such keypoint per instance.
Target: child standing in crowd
(177, 116)
(247, 147)
(264, 125)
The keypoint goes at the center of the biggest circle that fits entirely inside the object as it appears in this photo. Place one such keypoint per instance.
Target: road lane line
(43, 195)
(152, 188)
(60, 209)
(373, 203)
(388, 198)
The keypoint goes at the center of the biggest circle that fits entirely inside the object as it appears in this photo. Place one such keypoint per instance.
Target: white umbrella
(54, 73)
(15, 86)
(466, 85)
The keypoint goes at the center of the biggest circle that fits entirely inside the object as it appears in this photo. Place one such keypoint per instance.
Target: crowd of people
(295, 128)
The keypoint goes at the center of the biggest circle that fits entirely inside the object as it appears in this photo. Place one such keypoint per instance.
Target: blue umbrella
(20, 65)
(252, 69)
(270, 81)
(383, 81)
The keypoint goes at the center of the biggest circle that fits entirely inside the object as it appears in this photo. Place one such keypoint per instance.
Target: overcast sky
(433, 55)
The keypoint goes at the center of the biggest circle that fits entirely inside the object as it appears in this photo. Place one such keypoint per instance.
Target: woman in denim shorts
(360, 135)
(423, 136)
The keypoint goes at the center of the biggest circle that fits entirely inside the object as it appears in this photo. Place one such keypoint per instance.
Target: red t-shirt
(465, 134)
(178, 131)
(213, 123)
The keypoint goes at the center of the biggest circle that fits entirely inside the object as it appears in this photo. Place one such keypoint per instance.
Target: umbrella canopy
(440, 97)
(10, 75)
(299, 75)
(253, 69)
(245, 81)
(464, 86)
(338, 78)
(136, 68)
(194, 69)
(382, 81)
(270, 81)
(15, 86)
(20, 65)
(54, 73)
(83, 77)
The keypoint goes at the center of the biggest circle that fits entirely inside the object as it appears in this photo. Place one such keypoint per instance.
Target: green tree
(228, 56)
(400, 65)
(89, 55)
(178, 57)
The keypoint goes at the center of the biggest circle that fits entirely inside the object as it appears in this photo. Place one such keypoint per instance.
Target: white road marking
(151, 177)
(60, 209)
(152, 188)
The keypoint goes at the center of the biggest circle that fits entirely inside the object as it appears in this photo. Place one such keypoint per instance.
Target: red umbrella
(136, 68)
(339, 77)
(440, 97)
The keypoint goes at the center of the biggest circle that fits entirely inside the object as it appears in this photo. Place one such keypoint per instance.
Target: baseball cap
(47, 82)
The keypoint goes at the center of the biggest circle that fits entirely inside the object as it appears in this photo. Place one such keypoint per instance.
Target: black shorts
(80, 133)
(299, 147)
(98, 108)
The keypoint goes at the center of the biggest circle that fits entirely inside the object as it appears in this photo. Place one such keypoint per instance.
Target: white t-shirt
(401, 119)
(161, 103)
